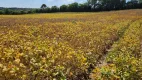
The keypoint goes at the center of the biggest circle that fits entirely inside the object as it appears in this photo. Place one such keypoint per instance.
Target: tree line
(89, 6)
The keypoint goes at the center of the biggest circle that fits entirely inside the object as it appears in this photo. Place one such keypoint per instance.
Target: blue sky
(35, 3)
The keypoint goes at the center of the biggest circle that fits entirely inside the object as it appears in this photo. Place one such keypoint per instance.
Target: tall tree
(43, 6)
(113, 4)
(73, 7)
(140, 1)
(63, 8)
(54, 9)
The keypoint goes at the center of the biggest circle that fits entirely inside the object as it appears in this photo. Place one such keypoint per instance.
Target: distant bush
(1, 12)
(76, 7)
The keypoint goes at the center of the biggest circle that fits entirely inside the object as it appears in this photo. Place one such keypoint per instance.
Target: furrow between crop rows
(124, 58)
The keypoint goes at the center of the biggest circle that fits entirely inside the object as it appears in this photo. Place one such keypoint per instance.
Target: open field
(72, 46)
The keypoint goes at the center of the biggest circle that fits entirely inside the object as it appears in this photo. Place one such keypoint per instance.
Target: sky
(36, 3)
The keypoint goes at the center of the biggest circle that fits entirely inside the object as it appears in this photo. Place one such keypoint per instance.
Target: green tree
(47, 10)
(7, 11)
(113, 4)
(63, 8)
(73, 7)
(54, 9)
(43, 6)
(1, 12)
(140, 1)
(82, 7)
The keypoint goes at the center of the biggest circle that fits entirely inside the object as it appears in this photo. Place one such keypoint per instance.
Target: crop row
(124, 60)
(59, 50)
(61, 46)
